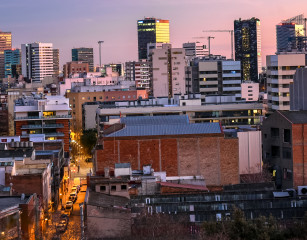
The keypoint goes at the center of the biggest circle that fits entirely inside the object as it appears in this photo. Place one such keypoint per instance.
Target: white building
(37, 61)
(195, 49)
(168, 71)
(280, 71)
(250, 91)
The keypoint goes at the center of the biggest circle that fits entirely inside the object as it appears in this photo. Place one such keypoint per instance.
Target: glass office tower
(151, 30)
(248, 47)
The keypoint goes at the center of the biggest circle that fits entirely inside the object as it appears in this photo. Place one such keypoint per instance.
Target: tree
(88, 140)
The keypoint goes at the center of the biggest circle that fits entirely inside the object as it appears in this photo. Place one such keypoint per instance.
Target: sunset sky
(81, 23)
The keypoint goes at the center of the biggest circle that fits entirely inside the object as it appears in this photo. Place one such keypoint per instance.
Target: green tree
(88, 140)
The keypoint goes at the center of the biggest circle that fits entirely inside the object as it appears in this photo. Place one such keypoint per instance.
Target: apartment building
(280, 71)
(39, 114)
(168, 71)
(139, 72)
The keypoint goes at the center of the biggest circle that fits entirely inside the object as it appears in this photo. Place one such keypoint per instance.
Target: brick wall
(26, 184)
(299, 148)
(214, 157)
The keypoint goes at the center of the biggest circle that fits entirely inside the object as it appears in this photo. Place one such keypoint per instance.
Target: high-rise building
(151, 30)
(56, 62)
(289, 33)
(84, 55)
(280, 72)
(11, 57)
(37, 61)
(248, 47)
(168, 71)
(5, 44)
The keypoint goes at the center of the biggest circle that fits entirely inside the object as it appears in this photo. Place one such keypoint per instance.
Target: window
(287, 174)
(275, 151)
(100, 97)
(113, 188)
(286, 152)
(123, 187)
(102, 188)
(88, 98)
(275, 132)
(287, 136)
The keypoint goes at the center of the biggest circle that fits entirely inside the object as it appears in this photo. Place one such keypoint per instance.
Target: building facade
(72, 68)
(139, 72)
(49, 115)
(248, 47)
(195, 49)
(11, 58)
(168, 71)
(151, 30)
(250, 91)
(283, 140)
(298, 90)
(84, 55)
(37, 61)
(56, 62)
(288, 33)
(5, 44)
(76, 99)
(280, 71)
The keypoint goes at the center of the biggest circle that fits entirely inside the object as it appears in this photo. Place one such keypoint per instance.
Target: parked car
(62, 225)
(73, 197)
(68, 208)
(75, 188)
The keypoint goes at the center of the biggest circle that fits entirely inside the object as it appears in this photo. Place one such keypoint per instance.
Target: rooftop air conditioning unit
(302, 190)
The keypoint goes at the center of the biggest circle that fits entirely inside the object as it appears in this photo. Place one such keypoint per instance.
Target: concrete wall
(250, 152)
(107, 222)
(214, 157)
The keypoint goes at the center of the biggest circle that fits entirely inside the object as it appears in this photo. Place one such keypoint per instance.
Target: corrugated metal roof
(160, 130)
(155, 120)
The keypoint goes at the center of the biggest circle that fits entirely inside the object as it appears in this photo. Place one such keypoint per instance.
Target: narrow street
(73, 230)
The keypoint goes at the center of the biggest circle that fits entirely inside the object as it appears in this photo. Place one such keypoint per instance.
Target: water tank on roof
(17, 144)
(22, 144)
(30, 144)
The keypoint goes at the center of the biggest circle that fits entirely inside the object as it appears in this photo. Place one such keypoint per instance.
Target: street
(73, 230)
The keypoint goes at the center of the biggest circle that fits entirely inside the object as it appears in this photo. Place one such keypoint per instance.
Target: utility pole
(82, 220)
(100, 42)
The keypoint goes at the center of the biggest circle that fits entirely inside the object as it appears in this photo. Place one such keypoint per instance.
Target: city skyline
(77, 23)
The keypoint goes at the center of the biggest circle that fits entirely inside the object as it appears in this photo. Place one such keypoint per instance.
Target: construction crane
(230, 31)
(209, 39)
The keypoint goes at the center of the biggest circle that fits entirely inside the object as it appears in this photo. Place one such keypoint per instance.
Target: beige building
(280, 73)
(76, 99)
(168, 71)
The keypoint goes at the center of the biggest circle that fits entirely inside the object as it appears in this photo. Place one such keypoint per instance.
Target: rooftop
(295, 117)
(167, 129)
(18, 153)
(104, 200)
(8, 202)
(155, 120)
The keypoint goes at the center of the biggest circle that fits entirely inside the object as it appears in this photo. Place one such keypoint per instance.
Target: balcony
(53, 125)
(31, 126)
(56, 134)
(39, 118)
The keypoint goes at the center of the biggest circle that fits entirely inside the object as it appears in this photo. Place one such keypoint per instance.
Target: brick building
(173, 145)
(284, 144)
(39, 114)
